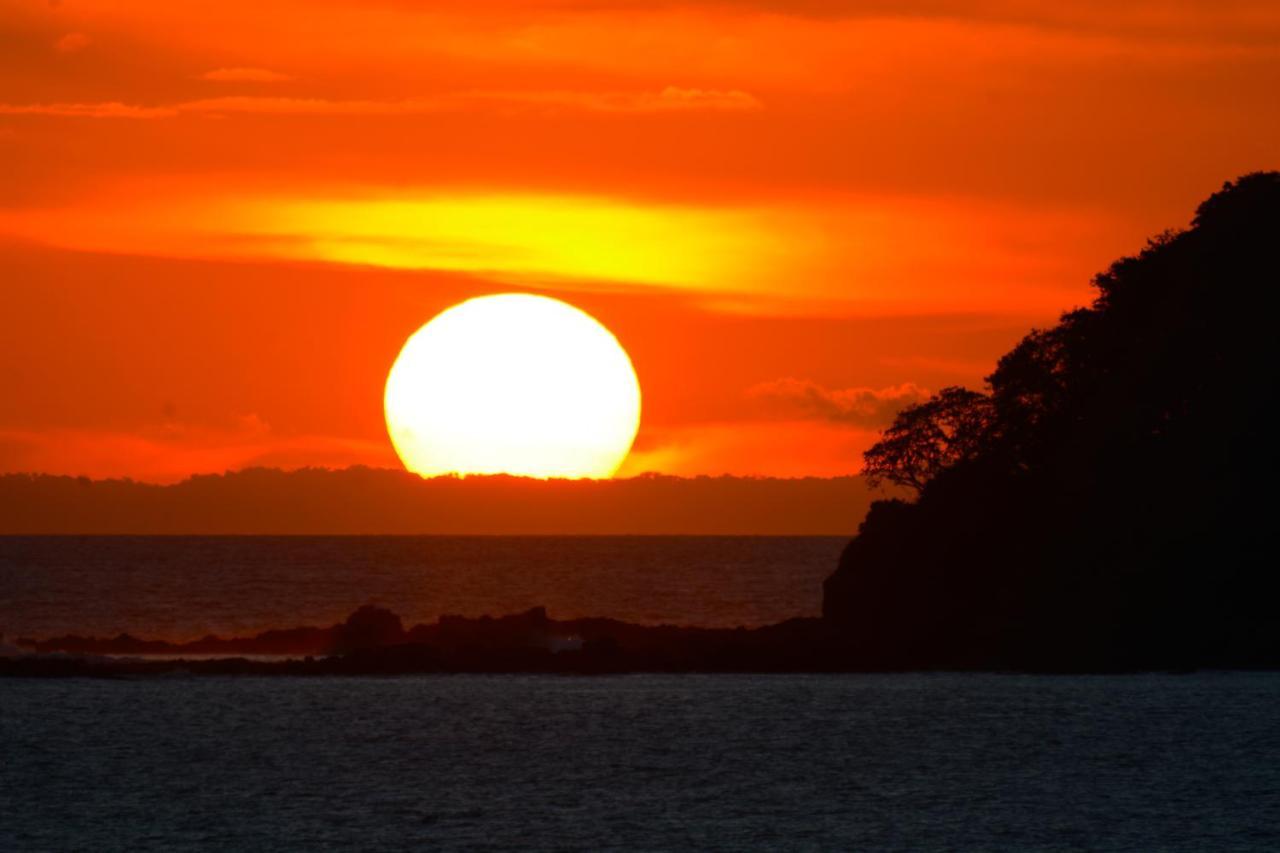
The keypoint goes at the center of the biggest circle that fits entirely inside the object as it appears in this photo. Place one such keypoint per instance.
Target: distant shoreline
(384, 502)
(15, 536)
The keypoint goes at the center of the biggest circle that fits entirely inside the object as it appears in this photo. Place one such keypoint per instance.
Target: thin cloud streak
(103, 109)
(672, 99)
(789, 255)
(794, 448)
(865, 408)
(171, 452)
(244, 75)
(72, 43)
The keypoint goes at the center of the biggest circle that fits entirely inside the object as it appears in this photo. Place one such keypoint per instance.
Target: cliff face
(1117, 509)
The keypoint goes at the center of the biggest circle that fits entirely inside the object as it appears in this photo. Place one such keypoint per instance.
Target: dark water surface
(886, 762)
(185, 587)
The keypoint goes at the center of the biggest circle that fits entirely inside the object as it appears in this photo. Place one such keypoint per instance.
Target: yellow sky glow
(558, 237)
(839, 252)
(510, 236)
(843, 196)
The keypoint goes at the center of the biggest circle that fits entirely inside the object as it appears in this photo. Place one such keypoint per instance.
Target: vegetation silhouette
(1106, 501)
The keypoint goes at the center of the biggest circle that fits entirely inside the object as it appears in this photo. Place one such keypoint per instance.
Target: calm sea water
(186, 587)
(887, 762)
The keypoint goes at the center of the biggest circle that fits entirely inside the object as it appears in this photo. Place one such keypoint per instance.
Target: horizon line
(450, 477)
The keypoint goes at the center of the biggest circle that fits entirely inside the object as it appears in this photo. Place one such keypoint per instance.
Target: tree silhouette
(1106, 503)
(927, 438)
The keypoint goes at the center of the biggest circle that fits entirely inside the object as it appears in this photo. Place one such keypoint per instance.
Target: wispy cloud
(170, 452)
(244, 75)
(303, 106)
(669, 100)
(786, 448)
(526, 239)
(100, 109)
(72, 43)
(860, 407)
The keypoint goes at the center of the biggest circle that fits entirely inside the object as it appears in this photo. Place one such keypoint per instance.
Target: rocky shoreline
(373, 641)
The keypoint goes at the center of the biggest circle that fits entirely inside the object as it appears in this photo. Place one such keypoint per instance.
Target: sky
(219, 221)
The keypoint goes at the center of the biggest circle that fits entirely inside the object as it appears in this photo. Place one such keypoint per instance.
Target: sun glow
(521, 239)
(513, 384)
(539, 236)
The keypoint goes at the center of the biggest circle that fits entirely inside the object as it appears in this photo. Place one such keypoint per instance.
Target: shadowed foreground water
(888, 762)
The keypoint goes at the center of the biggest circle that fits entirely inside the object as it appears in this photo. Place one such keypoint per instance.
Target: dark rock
(369, 628)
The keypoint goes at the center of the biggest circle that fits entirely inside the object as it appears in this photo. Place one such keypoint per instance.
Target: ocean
(910, 762)
(185, 587)
(644, 762)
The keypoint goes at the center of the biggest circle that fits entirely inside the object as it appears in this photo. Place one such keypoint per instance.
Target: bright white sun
(513, 384)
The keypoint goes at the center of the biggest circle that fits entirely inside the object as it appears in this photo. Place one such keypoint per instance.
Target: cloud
(170, 452)
(102, 109)
(72, 43)
(1240, 18)
(672, 99)
(223, 106)
(788, 448)
(860, 407)
(304, 106)
(244, 75)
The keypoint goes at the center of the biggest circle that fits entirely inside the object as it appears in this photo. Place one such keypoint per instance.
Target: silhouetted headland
(1104, 504)
(1108, 499)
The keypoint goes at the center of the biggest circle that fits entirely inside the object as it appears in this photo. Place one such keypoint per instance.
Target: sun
(513, 384)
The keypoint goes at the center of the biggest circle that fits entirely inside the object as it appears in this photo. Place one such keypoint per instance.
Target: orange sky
(220, 220)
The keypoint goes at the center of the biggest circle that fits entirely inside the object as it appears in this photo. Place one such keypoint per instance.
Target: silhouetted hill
(1108, 500)
(373, 501)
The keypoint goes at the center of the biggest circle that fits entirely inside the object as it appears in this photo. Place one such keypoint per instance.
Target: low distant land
(369, 501)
